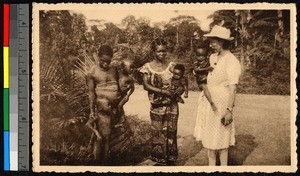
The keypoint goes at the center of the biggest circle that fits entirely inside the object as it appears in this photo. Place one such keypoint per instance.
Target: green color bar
(6, 109)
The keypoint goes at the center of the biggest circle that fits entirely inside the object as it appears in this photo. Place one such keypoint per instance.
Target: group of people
(217, 76)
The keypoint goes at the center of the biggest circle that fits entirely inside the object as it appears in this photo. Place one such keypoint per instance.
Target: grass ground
(262, 129)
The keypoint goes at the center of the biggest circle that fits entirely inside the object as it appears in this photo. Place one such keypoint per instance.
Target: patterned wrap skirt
(164, 120)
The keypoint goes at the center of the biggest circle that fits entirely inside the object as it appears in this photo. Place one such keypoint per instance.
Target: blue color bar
(6, 151)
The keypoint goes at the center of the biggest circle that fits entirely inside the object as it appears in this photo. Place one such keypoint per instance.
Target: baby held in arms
(177, 86)
(201, 68)
(126, 84)
(179, 83)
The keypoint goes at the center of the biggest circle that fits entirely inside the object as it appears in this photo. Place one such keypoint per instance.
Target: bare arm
(132, 88)
(92, 99)
(126, 97)
(186, 87)
(232, 94)
(230, 104)
(207, 93)
(208, 96)
(186, 90)
(198, 69)
(149, 87)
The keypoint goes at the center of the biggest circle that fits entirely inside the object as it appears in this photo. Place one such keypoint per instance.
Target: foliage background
(68, 49)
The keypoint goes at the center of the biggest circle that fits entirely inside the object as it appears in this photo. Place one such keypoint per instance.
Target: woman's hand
(178, 91)
(227, 118)
(166, 92)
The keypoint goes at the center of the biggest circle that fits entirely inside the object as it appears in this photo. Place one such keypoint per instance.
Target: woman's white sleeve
(233, 71)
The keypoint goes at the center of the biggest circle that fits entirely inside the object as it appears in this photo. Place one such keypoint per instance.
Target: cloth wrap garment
(164, 117)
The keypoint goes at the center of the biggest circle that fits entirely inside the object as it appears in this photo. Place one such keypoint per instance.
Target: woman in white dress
(216, 128)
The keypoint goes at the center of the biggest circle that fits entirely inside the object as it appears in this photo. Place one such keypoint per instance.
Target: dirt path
(262, 129)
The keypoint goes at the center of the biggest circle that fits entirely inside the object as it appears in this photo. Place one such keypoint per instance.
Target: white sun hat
(220, 32)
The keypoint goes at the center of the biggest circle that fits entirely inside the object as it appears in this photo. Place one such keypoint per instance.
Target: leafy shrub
(62, 144)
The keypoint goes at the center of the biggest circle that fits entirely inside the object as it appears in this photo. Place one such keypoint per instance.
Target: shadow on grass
(243, 148)
(188, 147)
(192, 153)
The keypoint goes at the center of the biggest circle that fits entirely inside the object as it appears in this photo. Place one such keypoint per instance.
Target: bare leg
(105, 130)
(91, 124)
(106, 157)
(96, 140)
(120, 114)
(212, 157)
(98, 151)
(224, 157)
(91, 142)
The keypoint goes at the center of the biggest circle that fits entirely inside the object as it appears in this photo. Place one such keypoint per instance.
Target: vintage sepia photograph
(164, 87)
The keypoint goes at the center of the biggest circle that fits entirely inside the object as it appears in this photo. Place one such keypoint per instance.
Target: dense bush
(59, 145)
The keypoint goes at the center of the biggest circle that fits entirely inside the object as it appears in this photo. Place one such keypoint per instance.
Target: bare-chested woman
(104, 96)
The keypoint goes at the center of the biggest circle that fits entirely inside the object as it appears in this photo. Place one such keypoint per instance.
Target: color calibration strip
(6, 85)
(16, 87)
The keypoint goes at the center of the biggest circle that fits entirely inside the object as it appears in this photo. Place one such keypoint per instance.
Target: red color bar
(6, 25)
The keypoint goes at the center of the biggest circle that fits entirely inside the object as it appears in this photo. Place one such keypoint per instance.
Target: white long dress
(208, 128)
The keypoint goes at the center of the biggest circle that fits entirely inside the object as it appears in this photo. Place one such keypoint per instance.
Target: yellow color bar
(6, 67)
